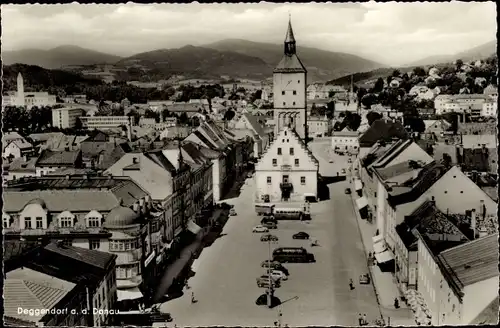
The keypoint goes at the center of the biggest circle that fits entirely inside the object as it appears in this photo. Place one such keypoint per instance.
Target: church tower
(289, 89)
(20, 90)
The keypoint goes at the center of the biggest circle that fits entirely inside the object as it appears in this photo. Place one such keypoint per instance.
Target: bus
(288, 213)
(292, 254)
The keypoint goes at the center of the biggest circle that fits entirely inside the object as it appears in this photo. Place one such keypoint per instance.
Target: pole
(269, 295)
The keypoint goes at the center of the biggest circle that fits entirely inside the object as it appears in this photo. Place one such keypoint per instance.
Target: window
(275, 162)
(94, 222)
(294, 92)
(268, 180)
(66, 222)
(282, 93)
(291, 151)
(294, 103)
(27, 222)
(298, 81)
(279, 151)
(296, 162)
(284, 104)
(39, 222)
(302, 180)
(94, 244)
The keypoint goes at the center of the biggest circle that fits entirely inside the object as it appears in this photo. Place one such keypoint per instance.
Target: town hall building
(288, 171)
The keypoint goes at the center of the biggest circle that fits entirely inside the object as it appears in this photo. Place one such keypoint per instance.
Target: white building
(17, 149)
(319, 126)
(346, 141)
(287, 171)
(490, 109)
(289, 89)
(27, 99)
(66, 117)
(106, 122)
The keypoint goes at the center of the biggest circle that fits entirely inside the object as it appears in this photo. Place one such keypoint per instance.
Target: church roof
(290, 64)
(289, 33)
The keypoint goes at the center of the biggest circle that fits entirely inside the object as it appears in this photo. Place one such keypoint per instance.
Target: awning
(128, 294)
(358, 185)
(383, 257)
(193, 227)
(379, 246)
(362, 202)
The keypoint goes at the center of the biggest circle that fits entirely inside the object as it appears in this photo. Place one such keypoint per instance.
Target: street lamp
(270, 288)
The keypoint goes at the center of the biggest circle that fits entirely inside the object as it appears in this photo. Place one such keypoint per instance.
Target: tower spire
(290, 38)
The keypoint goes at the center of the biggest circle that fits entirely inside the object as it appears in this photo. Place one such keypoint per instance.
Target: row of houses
(437, 230)
(143, 205)
(477, 105)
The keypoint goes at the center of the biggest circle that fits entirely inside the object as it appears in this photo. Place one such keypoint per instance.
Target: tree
(148, 113)
(330, 109)
(183, 119)
(379, 85)
(447, 161)
(229, 115)
(331, 94)
(419, 71)
(354, 121)
(459, 63)
(256, 95)
(396, 73)
(372, 117)
(368, 100)
(133, 113)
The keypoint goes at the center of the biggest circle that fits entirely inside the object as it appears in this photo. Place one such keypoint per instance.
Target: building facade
(65, 118)
(287, 171)
(345, 141)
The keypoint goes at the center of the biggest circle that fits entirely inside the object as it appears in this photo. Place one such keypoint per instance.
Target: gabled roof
(194, 152)
(22, 144)
(382, 130)
(470, 263)
(49, 157)
(159, 158)
(97, 136)
(254, 123)
(8, 136)
(20, 165)
(101, 260)
(29, 289)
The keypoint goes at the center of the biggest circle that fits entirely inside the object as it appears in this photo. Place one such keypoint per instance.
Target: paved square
(225, 281)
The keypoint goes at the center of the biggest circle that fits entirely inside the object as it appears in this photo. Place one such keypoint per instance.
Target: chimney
(135, 160)
(473, 222)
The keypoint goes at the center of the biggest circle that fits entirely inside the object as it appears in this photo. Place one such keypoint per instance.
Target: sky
(391, 33)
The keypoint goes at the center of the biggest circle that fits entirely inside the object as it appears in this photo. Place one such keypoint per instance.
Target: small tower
(290, 48)
(20, 90)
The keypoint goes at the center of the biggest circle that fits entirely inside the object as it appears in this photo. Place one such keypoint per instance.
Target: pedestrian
(360, 319)
(396, 303)
(351, 284)
(192, 297)
(364, 319)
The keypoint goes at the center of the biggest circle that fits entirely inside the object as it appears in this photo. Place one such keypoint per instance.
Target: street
(226, 272)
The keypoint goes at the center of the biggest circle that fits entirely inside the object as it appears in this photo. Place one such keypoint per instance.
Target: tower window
(294, 103)
(296, 162)
(268, 180)
(275, 162)
(302, 180)
(298, 81)
(291, 151)
(284, 104)
(282, 93)
(294, 92)
(279, 151)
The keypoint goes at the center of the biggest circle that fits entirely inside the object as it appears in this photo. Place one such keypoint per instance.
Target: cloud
(397, 32)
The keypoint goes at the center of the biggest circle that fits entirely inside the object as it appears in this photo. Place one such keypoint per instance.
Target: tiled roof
(192, 150)
(74, 194)
(48, 157)
(382, 130)
(30, 289)
(157, 157)
(8, 136)
(395, 170)
(395, 149)
(97, 136)
(290, 64)
(255, 124)
(472, 262)
(20, 165)
(42, 137)
(22, 144)
(91, 257)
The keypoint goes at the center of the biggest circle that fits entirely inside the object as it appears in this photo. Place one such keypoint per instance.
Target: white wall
(477, 297)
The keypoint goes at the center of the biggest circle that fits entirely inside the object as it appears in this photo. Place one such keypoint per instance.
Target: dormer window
(66, 222)
(94, 222)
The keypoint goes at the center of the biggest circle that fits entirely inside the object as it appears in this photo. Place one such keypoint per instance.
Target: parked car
(232, 212)
(278, 274)
(347, 191)
(343, 171)
(275, 265)
(330, 161)
(273, 277)
(270, 225)
(267, 219)
(263, 282)
(268, 237)
(301, 235)
(260, 229)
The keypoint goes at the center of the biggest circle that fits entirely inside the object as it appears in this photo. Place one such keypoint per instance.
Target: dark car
(275, 265)
(301, 235)
(268, 219)
(262, 300)
(268, 238)
(347, 191)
